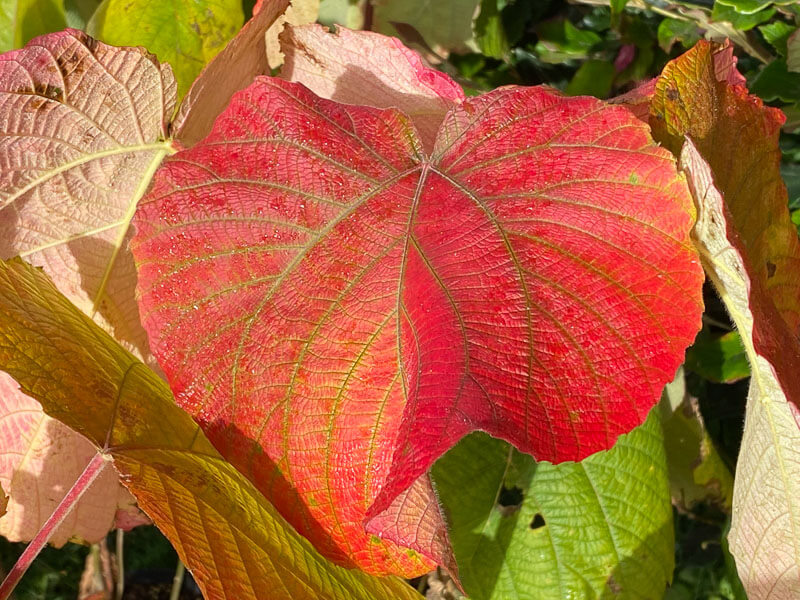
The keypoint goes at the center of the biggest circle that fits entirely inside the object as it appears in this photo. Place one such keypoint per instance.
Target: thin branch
(90, 473)
(119, 589)
(177, 581)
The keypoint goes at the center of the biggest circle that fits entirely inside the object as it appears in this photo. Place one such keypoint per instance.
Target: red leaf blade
(337, 308)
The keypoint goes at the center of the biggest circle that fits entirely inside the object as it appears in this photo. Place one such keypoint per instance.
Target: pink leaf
(365, 68)
(40, 459)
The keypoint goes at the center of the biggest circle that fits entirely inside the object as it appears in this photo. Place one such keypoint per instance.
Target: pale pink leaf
(40, 459)
(368, 69)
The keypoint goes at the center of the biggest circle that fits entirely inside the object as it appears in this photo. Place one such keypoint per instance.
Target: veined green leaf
(185, 33)
(525, 530)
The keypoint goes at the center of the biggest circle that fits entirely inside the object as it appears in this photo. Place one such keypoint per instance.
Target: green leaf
(793, 52)
(697, 473)
(749, 7)
(675, 30)
(232, 539)
(593, 78)
(776, 82)
(525, 530)
(721, 359)
(560, 40)
(489, 31)
(776, 33)
(617, 6)
(741, 20)
(185, 33)
(349, 13)
(790, 173)
(79, 12)
(444, 25)
(23, 20)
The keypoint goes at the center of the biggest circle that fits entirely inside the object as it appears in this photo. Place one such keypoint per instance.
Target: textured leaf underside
(750, 249)
(232, 539)
(40, 459)
(82, 129)
(337, 307)
(365, 68)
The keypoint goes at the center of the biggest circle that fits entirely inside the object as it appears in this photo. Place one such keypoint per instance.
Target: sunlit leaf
(82, 129)
(316, 283)
(300, 12)
(751, 252)
(594, 529)
(231, 70)
(229, 536)
(187, 34)
(369, 69)
(766, 510)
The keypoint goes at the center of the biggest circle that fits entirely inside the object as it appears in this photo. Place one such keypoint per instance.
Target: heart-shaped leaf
(337, 307)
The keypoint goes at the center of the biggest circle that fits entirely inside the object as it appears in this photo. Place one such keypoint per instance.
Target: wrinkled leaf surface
(82, 129)
(751, 252)
(598, 528)
(316, 284)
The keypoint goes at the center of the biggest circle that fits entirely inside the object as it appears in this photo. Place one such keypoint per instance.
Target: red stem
(90, 473)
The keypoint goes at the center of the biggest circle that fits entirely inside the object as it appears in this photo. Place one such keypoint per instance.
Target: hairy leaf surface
(232, 539)
(82, 129)
(521, 529)
(766, 512)
(751, 252)
(316, 284)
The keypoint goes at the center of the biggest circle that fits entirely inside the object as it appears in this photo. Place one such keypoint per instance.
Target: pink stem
(90, 473)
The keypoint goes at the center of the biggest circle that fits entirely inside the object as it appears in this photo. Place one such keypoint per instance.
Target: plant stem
(177, 581)
(84, 481)
(119, 589)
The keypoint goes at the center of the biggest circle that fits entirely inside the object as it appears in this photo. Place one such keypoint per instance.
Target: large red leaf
(337, 307)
